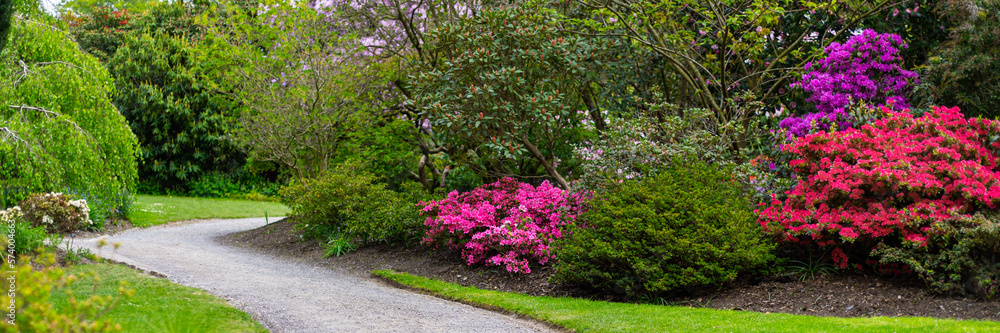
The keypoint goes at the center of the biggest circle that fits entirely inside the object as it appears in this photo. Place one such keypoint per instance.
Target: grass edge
(385, 275)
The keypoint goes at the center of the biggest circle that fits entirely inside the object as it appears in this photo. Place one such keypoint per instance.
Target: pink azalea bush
(890, 180)
(506, 223)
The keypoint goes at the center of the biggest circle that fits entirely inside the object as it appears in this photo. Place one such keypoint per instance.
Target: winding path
(292, 297)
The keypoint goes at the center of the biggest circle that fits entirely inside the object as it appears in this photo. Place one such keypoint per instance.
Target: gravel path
(288, 296)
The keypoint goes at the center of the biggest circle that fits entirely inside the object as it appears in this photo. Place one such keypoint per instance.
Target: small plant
(810, 268)
(76, 256)
(27, 239)
(56, 212)
(338, 246)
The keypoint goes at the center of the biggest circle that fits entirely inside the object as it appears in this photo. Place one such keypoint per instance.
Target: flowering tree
(507, 87)
(506, 223)
(893, 179)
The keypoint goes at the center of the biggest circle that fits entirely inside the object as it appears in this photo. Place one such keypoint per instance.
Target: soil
(824, 295)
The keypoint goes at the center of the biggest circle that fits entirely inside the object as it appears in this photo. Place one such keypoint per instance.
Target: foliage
(213, 185)
(35, 312)
(6, 15)
(960, 256)
(506, 88)
(338, 246)
(180, 122)
(26, 239)
(888, 181)
(637, 146)
(506, 223)
(347, 201)
(964, 71)
(305, 89)
(102, 31)
(719, 48)
(90, 7)
(688, 227)
(59, 131)
(56, 212)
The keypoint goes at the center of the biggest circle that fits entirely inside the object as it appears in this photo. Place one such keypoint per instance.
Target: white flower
(47, 219)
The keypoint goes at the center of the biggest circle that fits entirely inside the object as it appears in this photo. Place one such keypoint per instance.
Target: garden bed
(851, 295)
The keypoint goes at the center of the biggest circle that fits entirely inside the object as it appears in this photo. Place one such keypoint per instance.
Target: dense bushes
(506, 223)
(892, 179)
(346, 201)
(689, 226)
(180, 122)
(961, 255)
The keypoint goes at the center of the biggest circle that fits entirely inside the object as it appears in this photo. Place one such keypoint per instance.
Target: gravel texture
(287, 295)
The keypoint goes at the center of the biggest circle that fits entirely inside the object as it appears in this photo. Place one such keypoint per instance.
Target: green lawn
(597, 316)
(152, 210)
(158, 305)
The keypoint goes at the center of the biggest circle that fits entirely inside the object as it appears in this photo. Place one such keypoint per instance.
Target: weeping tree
(59, 131)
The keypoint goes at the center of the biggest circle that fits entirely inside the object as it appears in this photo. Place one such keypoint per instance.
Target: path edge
(493, 308)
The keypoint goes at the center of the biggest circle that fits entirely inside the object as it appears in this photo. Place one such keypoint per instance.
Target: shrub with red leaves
(888, 181)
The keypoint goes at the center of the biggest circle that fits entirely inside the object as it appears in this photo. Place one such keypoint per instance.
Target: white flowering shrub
(56, 212)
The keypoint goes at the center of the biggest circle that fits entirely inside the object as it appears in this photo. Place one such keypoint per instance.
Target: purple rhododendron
(866, 68)
(506, 223)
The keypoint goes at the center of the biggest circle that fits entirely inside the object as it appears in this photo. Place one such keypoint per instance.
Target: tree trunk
(551, 170)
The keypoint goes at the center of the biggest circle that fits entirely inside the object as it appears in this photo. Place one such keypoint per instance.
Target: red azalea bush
(892, 180)
(506, 223)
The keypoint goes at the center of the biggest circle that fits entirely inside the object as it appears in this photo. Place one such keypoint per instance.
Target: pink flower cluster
(894, 177)
(506, 223)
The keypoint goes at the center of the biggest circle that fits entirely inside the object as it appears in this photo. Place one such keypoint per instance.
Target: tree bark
(551, 170)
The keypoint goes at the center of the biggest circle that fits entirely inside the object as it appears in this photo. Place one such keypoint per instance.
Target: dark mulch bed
(832, 295)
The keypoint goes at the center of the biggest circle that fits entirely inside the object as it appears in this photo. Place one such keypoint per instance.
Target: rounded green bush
(689, 226)
(348, 201)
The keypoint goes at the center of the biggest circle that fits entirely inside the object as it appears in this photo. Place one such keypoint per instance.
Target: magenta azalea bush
(867, 68)
(506, 223)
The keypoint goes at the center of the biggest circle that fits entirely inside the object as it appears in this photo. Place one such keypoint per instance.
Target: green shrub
(27, 239)
(213, 185)
(687, 227)
(961, 256)
(345, 200)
